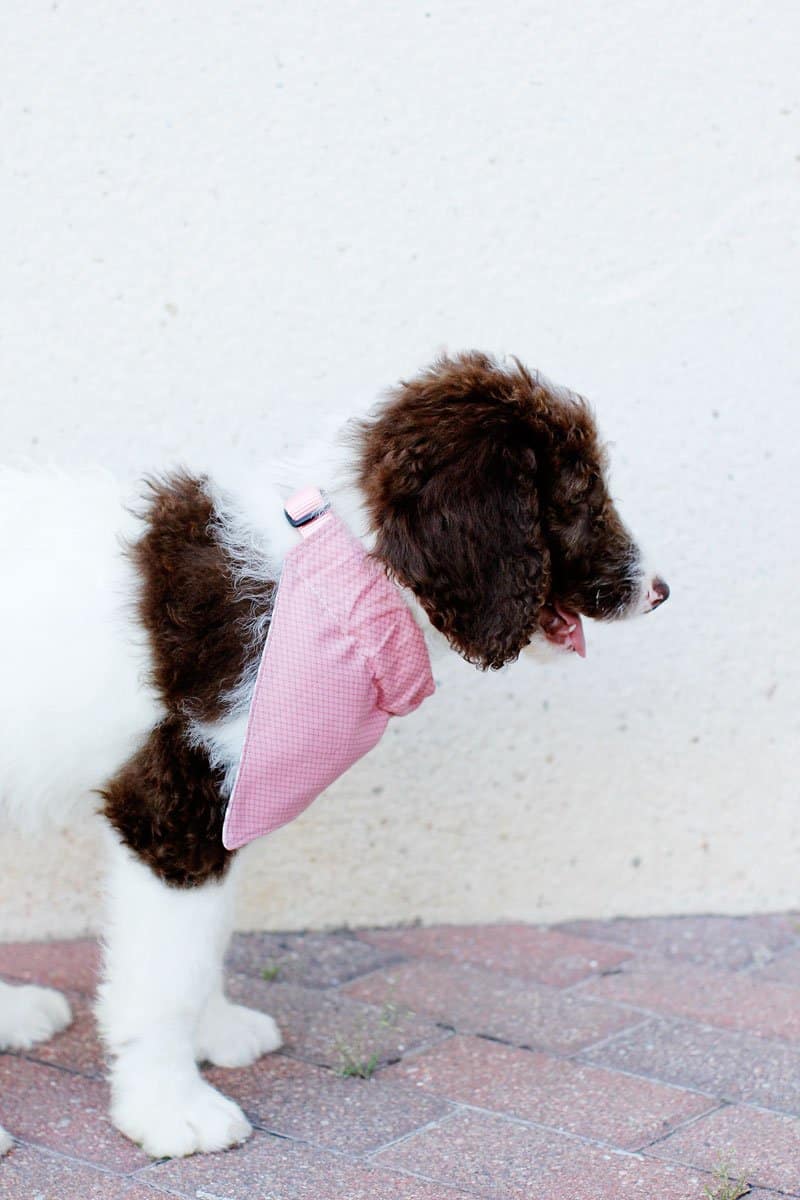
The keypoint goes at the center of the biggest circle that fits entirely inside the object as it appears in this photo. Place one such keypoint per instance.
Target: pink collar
(343, 654)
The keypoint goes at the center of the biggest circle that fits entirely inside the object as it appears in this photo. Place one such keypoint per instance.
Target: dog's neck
(251, 505)
(252, 500)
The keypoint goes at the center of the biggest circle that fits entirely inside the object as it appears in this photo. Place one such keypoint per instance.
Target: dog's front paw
(5, 1141)
(171, 1123)
(231, 1035)
(29, 1015)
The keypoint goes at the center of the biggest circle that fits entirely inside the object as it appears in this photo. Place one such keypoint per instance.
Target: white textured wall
(221, 220)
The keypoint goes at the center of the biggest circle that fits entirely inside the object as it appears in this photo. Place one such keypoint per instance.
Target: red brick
(284, 1170)
(589, 1101)
(720, 1062)
(594, 1174)
(527, 951)
(783, 969)
(731, 1001)
(305, 1102)
(310, 959)
(476, 1001)
(68, 965)
(723, 942)
(32, 1174)
(500, 1158)
(763, 1147)
(78, 1047)
(326, 1026)
(63, 1112)
(138, 1191)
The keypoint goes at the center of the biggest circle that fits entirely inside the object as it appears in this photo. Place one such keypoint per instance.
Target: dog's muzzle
(657, 593)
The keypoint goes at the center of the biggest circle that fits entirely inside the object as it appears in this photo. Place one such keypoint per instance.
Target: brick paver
(302, 1101)
(762, 1146)
(281, 1170)
(517, 1162)
(715, 997)
(530, 952)
(69, 965)
(313, 959)
(784, 968)
(619, 1109)
(620, 1060)
(63, 1112)
(478, 1001)
(720, 1062)
(726, 942)
(329, 1028)
(34, 1174)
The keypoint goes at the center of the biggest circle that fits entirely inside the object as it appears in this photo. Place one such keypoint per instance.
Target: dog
(128, 668)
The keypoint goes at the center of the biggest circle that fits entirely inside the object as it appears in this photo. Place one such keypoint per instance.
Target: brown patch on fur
(197, 621)
(165, 804)
(485, 490)
(166, 801)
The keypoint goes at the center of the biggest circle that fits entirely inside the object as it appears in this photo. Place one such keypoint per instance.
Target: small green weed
(355, 1052)
(392, 1014)
(352, 1064)
(725, 1187)
(362, 1068)
(271, 972)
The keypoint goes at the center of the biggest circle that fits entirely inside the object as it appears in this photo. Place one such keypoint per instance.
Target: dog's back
(74, 700)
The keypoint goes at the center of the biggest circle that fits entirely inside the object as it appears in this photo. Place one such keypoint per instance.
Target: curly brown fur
(166, 805)
(197, 621)
(454, 425)
(166, 802)
(484, 487)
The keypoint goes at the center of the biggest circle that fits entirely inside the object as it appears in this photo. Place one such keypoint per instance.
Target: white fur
(647, 576)
(230, 1035)
(161, 1008)
(28, 1015)
(73, 704)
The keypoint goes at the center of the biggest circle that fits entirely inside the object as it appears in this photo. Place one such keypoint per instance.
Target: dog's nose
(657, 593)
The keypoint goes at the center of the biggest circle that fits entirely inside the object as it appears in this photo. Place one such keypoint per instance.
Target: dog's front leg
(163, 962)
(29, 1015)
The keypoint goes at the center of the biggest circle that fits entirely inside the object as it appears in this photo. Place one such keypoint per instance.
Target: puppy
(128, 673)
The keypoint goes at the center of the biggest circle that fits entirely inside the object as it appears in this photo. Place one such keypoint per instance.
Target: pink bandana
(343, 654)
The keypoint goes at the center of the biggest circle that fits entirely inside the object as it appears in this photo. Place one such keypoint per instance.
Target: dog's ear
(473, 554)
(450, 478)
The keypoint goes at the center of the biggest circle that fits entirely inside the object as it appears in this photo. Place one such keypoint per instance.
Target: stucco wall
(223, 221)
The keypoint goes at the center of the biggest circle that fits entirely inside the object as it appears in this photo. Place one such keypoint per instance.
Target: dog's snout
(657, 593)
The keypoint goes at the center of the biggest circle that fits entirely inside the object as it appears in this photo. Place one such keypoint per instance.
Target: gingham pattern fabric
(343, 654)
